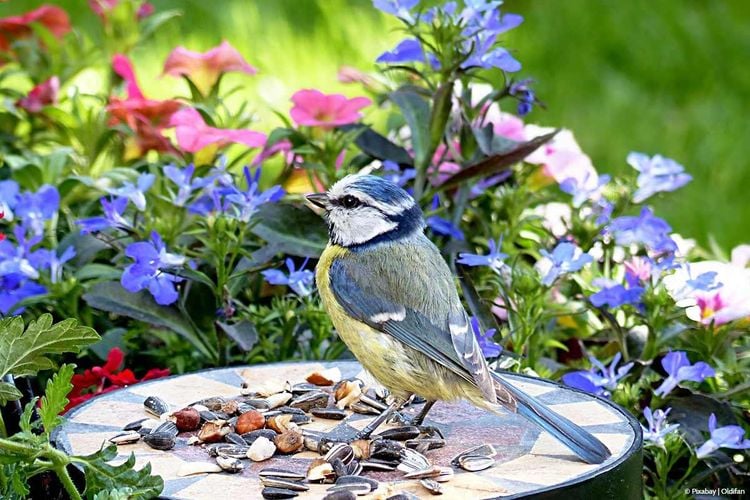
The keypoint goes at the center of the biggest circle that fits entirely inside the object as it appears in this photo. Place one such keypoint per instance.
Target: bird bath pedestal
(529, 462)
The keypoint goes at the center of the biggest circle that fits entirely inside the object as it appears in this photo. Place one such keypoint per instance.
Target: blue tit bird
(393, 301)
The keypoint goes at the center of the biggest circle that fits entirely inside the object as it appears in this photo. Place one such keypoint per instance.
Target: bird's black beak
(319, 200)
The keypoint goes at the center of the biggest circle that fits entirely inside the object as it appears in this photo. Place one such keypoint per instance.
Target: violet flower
(299, 280)
(113, 217)
(599, 380)
(398, 8)
(36, 208)
(565, 258)
(657, 175)
(616, 295)
(136, 193)
(407, 50)
(246, 202)
(442, 226)
(494, 259)
(657, 428)
(728, 436)
(645, 229)
(149, 270)
(490, 349)
(186, 184)
(679, 369)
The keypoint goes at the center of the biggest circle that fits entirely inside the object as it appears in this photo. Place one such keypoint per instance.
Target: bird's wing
(408, 292)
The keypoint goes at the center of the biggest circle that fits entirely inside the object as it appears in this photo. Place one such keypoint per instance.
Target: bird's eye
(349, 201)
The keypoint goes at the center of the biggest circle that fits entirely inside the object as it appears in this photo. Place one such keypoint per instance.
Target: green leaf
(112, 297)
(98, 272)
(244, 333)
(378, 146)
(291, 229)
(416, 112)
(24, 423)
(497, 163)
(195, 275)
(8, 392)
(55, 398)
(26, 353)
(103, 477)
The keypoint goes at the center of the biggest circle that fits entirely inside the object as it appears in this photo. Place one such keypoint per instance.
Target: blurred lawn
(670, 77)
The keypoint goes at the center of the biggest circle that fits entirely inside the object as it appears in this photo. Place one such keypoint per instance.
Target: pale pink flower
(204, 69)
(41, 95)
(315, 109)
(443, 164)
(193, 134)
(741, 256)
(562, 158)
(103, 8)
(509, 126)
(637, 269)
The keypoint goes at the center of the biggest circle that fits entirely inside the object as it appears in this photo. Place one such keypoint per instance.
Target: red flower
(43, 94)
(53, 18)
(106, 378)
(146, 117)
(204, 69)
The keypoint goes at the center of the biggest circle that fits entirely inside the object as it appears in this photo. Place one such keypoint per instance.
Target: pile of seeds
(269, 420)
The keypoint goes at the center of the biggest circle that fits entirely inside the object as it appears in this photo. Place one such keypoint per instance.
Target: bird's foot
(404, 420)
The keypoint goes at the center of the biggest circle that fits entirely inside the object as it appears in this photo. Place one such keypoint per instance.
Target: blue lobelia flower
(522, 91)
(728, 436)
(393, 173)
(493, 259)
(657, 175)
(398, 8)
(56, 263)
(482, 29)
(244, 203)
(9, 193)
(186, 184)
(582, 191)
(20, 258)
(299, 280)
(565, 258)
(136, 193)
(442, 226)
(678, 368)
(36, 208)
(599, 380)
(657, 428)
(614, 296)
(14, 288)
(149, 270)
(408, 50)
(490, 349)
(645, 229)
(113, 209)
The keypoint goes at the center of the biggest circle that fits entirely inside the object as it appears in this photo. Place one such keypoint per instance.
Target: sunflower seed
(428, 473)
(160, 440)
(363, 409)
(281, 482)
(400, 433)
(281, 473)
(125, 437)
(168, 427)
(432, 486)
(329, 413)
(234, 438)
(134, 426)
(357, 480)
(309, 400)
(229, 464)
(341, 451)
(340, 495)
(155, 406)
(475, 463)
(278, 493)
(378, 465)
(357, 489)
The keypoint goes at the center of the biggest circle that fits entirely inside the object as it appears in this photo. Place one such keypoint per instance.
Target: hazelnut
(187, 419)
(289, 441)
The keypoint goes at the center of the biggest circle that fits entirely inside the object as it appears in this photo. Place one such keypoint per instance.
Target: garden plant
(176, 229)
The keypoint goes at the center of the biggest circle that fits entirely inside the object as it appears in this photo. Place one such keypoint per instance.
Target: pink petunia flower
(562, 158)
(41, 95)
(315, 109)
(193, 134)
(146, 117)
(509, 126)
(51, 17)
(103, 8)
(204, 69)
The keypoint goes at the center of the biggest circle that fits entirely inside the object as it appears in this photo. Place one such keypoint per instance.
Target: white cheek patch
(358, 226)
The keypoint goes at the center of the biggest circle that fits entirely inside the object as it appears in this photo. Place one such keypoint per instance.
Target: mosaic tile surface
(528, 459)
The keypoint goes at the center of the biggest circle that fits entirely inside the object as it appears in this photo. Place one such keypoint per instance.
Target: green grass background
(668, 77)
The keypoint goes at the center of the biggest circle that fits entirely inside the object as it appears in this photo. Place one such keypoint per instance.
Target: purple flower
(9, 193)
(616, 295)
(657, 175)
(657, 428)
(36, 208)
(183, 178)
(21, 259)
(56, 263)
(490, 349)
(493, 259)
(565, 258)
(442, 226)
(148, 271)
(678, 369)
(398, 8)
(113, 217)
(299, 280)
(136, 193)
(408, 50)
(599, 380)
(483, 184)
(584, 190)
(245, 203)
(482, 30)
(525, 95)
(398, 176)
(645, 229)
(14, 288)
(729, 436)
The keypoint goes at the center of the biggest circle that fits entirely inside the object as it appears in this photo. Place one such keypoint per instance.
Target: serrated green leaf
(112, 297)
(8, 392)
(25, 421)
(103, 477)
(54, 399)
(25, 353)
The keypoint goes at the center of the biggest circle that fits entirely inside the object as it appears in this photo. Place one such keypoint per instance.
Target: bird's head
(365, 209)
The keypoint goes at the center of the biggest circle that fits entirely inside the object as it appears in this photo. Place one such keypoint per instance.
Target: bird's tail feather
(580, 441)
